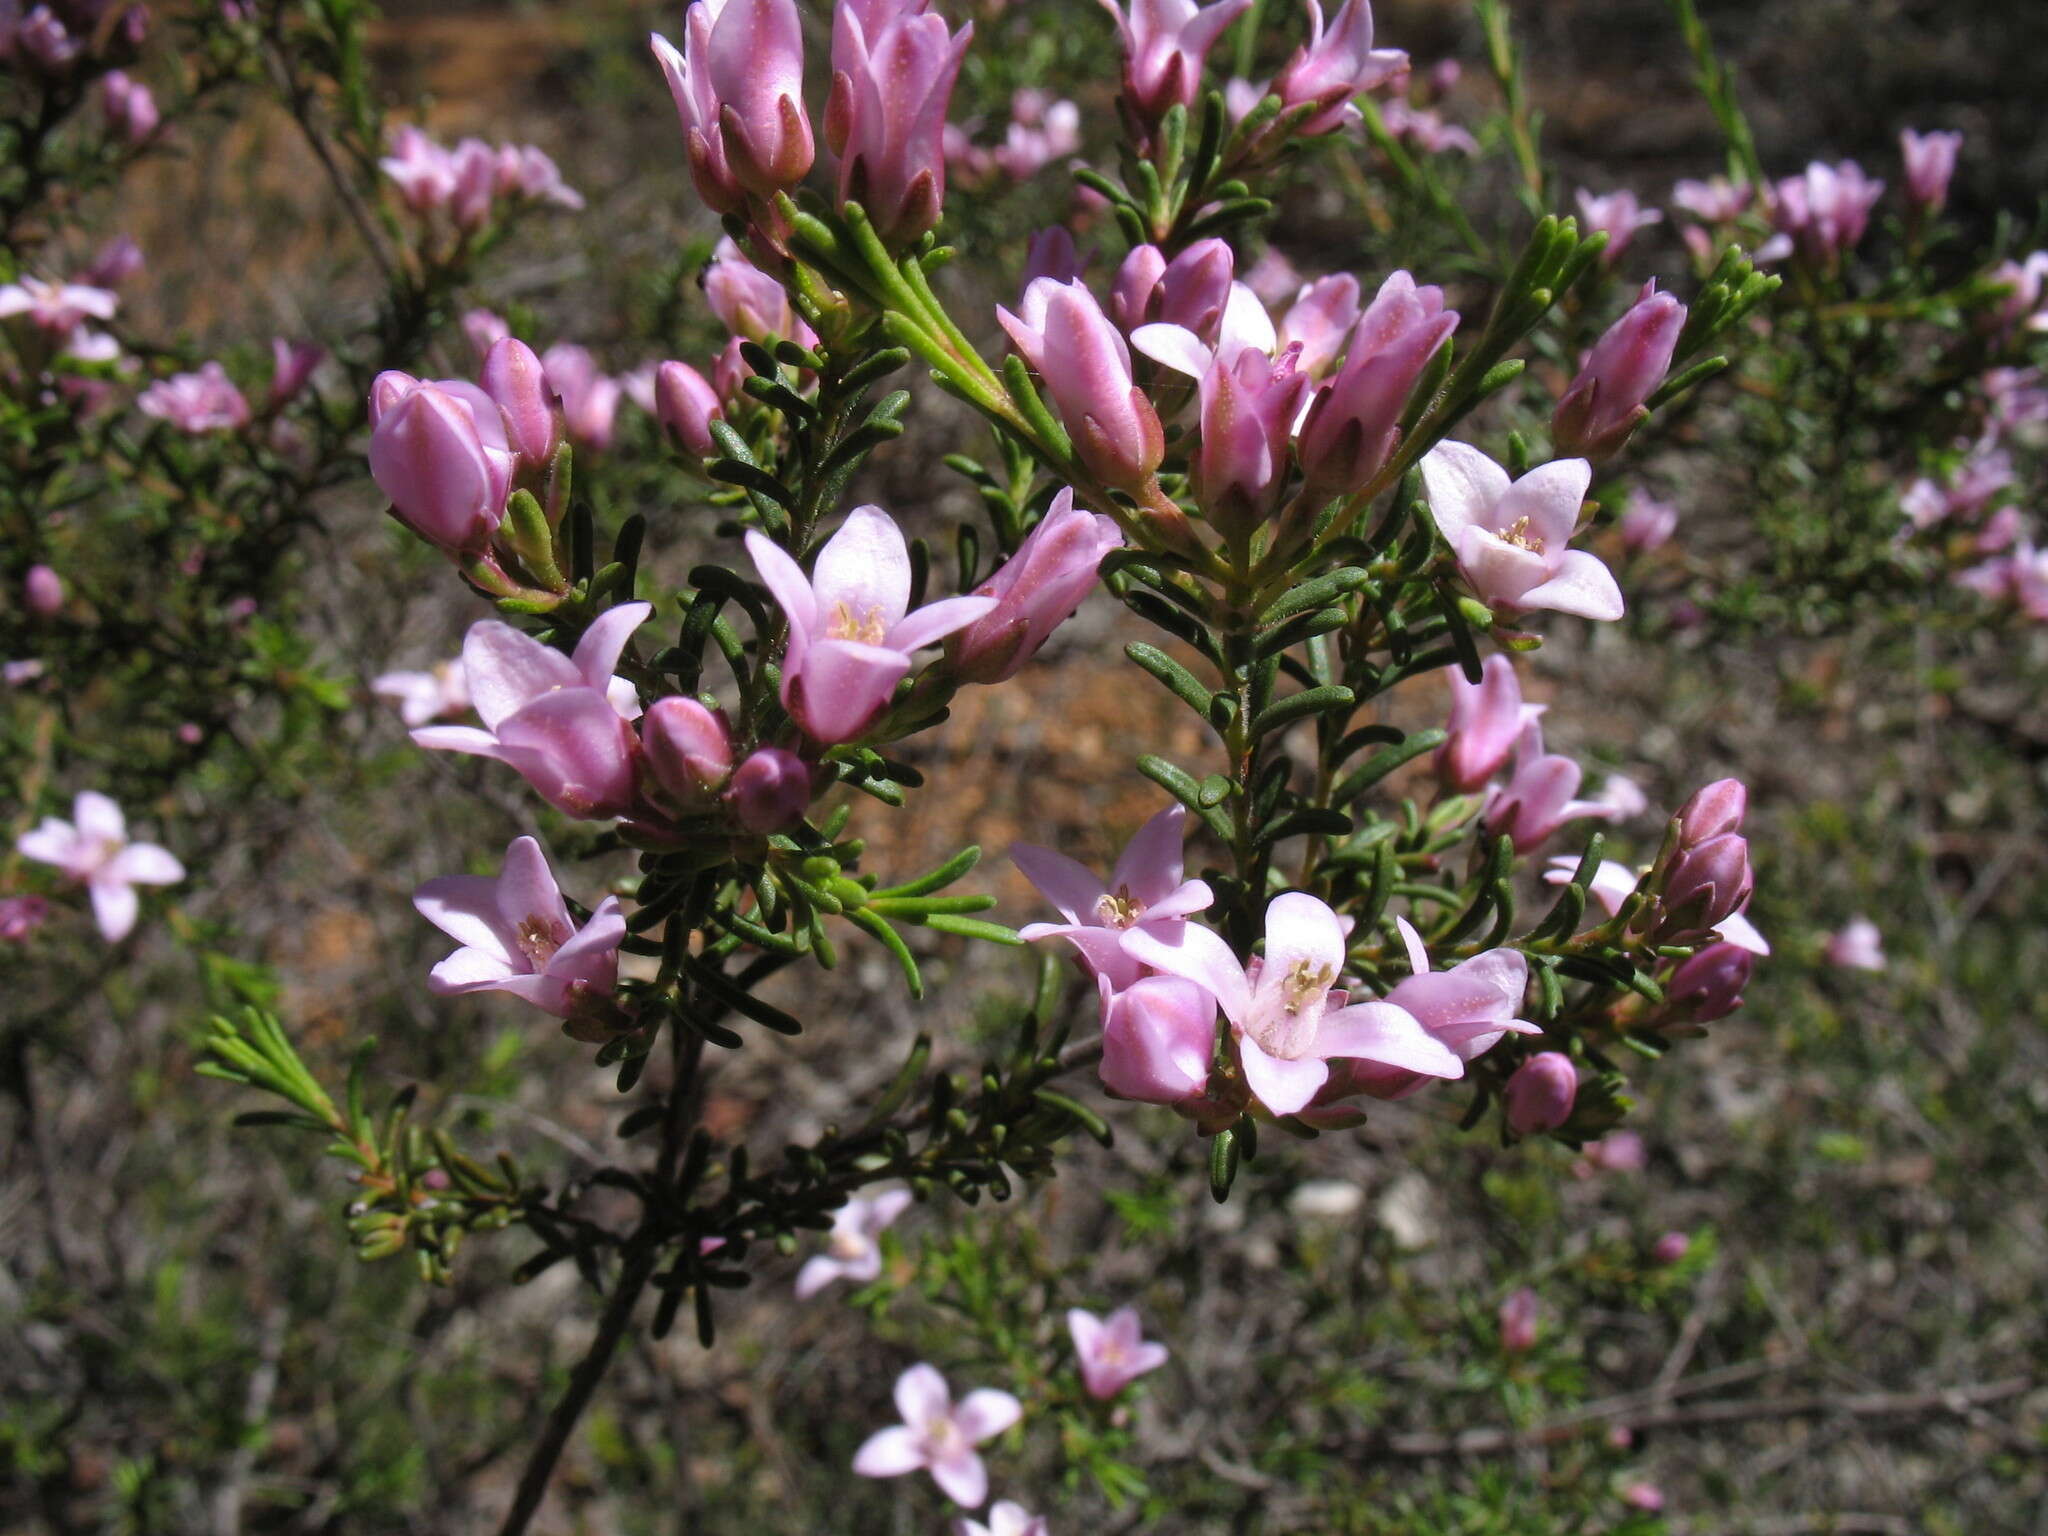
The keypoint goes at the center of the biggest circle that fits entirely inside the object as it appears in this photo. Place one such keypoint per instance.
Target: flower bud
(1713, 809)
(130, 109)
(44, 590)
(1087, 371)
(21, 916)
(1189, 291)
(687, 405)
(1709, 985)
(1334, 66)
(1518, 1321)
(1157, 1036)
(688, 749)
(887, 116)
(1540, 1094)
(1670, 1248)
(1164, 48)
(428, 454)
(117, 262)
(1352, 427)
(1704, 885)
(1036, 590)
(1486, 720)
(1930, 164)
(1605, 403)
(514, 378)
(770, 791)
(1052, 253)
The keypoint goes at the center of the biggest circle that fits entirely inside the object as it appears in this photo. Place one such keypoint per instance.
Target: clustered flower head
(467, 183)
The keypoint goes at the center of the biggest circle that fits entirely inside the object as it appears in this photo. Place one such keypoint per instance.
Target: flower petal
(508, 670)
(597, 653)
(962, 1478)
(865, 565)
(935, 621)
(1388, 1035)
(1150, 865)
(890, 1452)
(921, 1396)
(1282, 1086)
(114, 905)
(1199, 955)
(985, 1413)
(1175, 346)
(1463, 485)
(1581, 586)
(466, 908)
(145, 864)
(99, 818)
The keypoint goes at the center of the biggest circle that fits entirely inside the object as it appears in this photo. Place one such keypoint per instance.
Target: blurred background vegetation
(1854, 1341)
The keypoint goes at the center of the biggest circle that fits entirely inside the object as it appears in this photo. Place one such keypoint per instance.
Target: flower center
(866, 626)
(1517, 533)
(943, 1439)
(845, 1246)
(538, 939)
(1119, 909)
(1289, 1014)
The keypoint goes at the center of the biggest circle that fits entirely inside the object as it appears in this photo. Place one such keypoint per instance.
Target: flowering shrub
(1336, 510)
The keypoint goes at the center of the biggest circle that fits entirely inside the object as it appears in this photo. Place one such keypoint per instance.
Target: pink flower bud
(1605, 403)
(44, 590)
(1486, 720)
(291, 368)
(1647, 1497)
(1859, 946)
(1709, 985)
(1354, 424)
(1250, 403)
(428, 453)
(1036, 590)
(687, 405)
(1052, 253)
(749, 302)
(514, 378)
(117, 262)
(1189, 291)
(483, 327)
(1540, 1094)
(1164, 48)
(688, 748)
(770, 791)
(1332, 67)
(1157, 1037)
(1518, 1316)
(130, 109)
(1930, 164)
(1618, 216)
(738, 90)
(1713, 809)
(1670, 1248)
(1087, 371)
(1321, 319)
(1706, 883)
(21, 916)
(887, 115)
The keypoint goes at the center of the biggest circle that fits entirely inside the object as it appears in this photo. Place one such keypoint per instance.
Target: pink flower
(1165, 42)
(738, 85)
(886, 119)
(1189, 291)
(1004, 1519)
(1618, 1152)
(939, 1436)
(1618, 216)
(1607, 401)
(1469, 1009)
(770, 791)
(1035, 591)
(1540, 796)
(129, 107)
(560, 721)
(1648, 523)
(688, 749)
(1288, 1020)
(1513, 540)
(206, 401)
(1426, 129)
(1040, 132)
(57, 309)
(1145, 893)
(1052, 253)
(1332, 67)
(517, 936)
(1158, 1034)
(853, 1251)
(43, 590)
(117, 262)
(1644, 1496)
(1824, 212)
(291, 367)
(750, 303)
(590, 399)
(1518, 1316)
(483, 327)
(93, 849)
(439, 451)
(1112, 1351)
(1858, 947)
(1354, 423)
(1670, 1248)
(21, 916)
(1716, 200)
(1063, 333)
(851, 634)
(1487, 718)
(1320, 319)
(1930, 165)
(440, 694)
(687, 405)
(1540, 1094)
(422, 170)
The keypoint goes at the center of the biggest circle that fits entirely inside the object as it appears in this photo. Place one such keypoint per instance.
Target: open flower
(1487, 718)
(93, 849)
(1112, 1351)
(1512, 539)
(1035, 591)
(1858, 947)
(56, 308)
(1145, 893)
(1004, 1519)
(938, 1435)
(1540, 796)
(853, 1251)
(439, 694)
(851, 634)
(205, 401)
(1288, 1019)
(1618, 216)
(517, 936)
(560, 721)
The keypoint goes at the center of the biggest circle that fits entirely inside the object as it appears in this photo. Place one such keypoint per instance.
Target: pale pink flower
(1618, 216)
(1035, 591)
(517, 936)
(590, 398)
(1616, 1152)
(1647, 523)
(291, 368)
(484, 327)
(43, 590)
(1320, 320)
(439, 694)
(1145, 892)
(1858, 947)
(93, 849)
(206, 401)
(750, 303)
(1334, 66)
(1353, 426)
(1487, 719)
(1112, 1352)
(1512, 539)
(1930, 160)
(1647, 1497)
(1670, 1248)
(423, 171)
(893, 75)
(738, 85)
(1540, 796)
(938, 1435)
(1716, 200)
(1825, 211)
(129, 106)
(1285, 1011)
(1158, 1034)
(1062, 332)
(851, 635)
(1608, 399)
(1425, 128)
(853, 1249)
(1004, 1519)
(55, 308)
(560, 721)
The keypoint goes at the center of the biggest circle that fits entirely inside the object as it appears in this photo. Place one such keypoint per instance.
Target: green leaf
(1311, 701)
